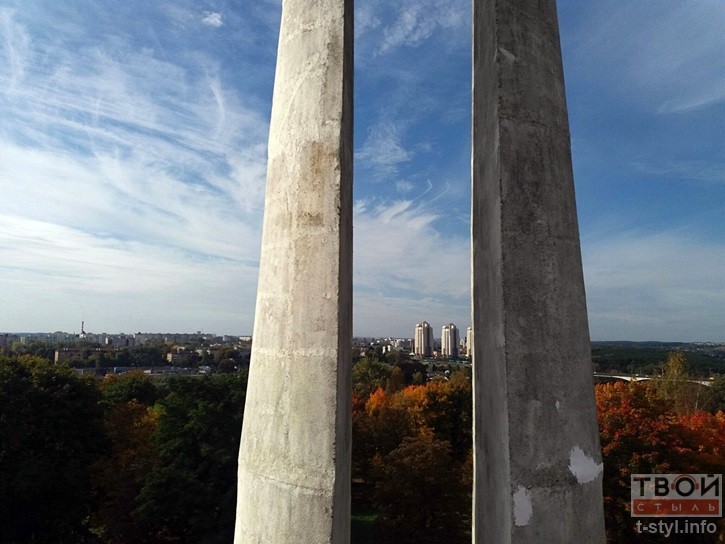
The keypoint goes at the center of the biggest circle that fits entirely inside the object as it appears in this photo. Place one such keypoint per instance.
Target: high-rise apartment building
(423, 340)
(449, 340)
(469, 342)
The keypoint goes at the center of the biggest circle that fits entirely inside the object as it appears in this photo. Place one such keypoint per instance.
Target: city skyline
(133, 154)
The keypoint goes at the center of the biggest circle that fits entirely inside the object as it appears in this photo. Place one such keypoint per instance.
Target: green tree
(716, 394)
(674, 375)
(396, 381)
(118, 476)
(226, 366)
(147, 356)
(449, 412)
(414, 372)
(369, 374)
(675, 388)
(34, 347)
(123, 358)
(397, 357)
(51, 431)
(127, 387)
(191, 492)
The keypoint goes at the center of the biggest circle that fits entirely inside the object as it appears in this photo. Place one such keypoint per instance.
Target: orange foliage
(358, 403)
(414, 446)
(377, 402)
(414, 401)
(707, 432)
(642, 434)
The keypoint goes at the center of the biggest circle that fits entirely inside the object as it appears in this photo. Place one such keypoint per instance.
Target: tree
(226, 366)
(408, 443)
(672, 385)
(369, 374)
(445, 406)
(419, 492)
(118, 476)
(642, 434)
(123, 357)
(127, 387)
(449, 412)
(147, 356)
(716, 394)
(397, 357)
(378, 427)
(191, 491)
(396, 381)
(126, 400)
(51, 432)
(414, 372)
(706, 440)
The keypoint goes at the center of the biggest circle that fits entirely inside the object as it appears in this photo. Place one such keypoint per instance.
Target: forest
(140, 459)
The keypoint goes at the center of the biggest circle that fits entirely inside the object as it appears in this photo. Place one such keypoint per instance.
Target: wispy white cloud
(365, 19)
(399, 247)
(60, 275)
(212, 19)
(127, 175)
(671, 59)
(383, 150)
(15, 50)
(417, 21)
(132, 162)
(405, 269)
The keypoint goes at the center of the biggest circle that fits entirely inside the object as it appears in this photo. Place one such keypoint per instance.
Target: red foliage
(640, 433)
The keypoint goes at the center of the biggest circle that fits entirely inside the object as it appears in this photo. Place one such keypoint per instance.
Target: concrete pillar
(294, 460)
(538, 471)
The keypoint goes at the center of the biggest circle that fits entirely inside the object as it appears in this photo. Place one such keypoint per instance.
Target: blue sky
(133, 145)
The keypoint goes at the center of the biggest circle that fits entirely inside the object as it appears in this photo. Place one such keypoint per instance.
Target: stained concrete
(538, 472)
(294, 460)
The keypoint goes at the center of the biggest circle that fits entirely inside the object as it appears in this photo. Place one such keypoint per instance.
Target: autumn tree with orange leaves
(413, 446)
(642, 434)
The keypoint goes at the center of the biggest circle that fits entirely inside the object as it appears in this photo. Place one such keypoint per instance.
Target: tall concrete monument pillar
(538, 471)
(294, 460)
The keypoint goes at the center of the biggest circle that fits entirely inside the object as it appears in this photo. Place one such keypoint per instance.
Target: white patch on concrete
(523, 509)
(584, 468)
(558, 405)
(508, 55)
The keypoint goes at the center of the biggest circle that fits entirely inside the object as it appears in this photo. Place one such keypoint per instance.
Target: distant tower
(449, 340)
(423, 340)
(83, 330)
(469, 342)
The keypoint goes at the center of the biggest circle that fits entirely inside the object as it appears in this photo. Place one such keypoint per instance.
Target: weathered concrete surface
(538, 472)
(294, 460)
